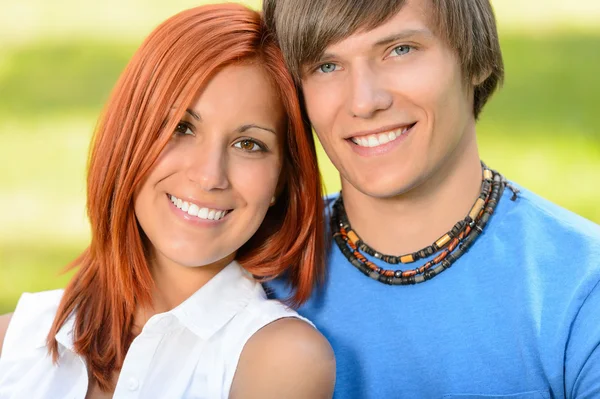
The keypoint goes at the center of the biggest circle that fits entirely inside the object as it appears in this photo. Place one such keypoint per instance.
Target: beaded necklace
(450, 246)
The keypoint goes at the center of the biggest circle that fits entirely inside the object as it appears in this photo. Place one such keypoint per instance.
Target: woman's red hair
(163, 77)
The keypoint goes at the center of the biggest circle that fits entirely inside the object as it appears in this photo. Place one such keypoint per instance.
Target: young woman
(202, 178)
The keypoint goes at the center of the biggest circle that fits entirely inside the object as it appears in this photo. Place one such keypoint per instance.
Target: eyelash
(256, 143)
(408, 47)
(238, 144)
(319, 70)
(187, 126)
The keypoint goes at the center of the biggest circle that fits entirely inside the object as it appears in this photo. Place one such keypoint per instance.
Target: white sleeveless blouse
(191, 351)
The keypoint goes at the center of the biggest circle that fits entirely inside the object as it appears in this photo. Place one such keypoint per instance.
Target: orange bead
(443, 241)
(453, 245)
(487, 174)
(407, 259)
(353, 237)
(476, 208)
(441, 256)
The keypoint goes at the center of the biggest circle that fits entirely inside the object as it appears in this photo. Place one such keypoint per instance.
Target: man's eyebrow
(394, 37)
(405, 34)
(193, 114)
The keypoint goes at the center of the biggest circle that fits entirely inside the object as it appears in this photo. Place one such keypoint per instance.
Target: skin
(285, 359)
(399, 74)
(225, 154)
(4, 321)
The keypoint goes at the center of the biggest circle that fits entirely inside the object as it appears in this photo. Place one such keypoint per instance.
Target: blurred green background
(59, 61)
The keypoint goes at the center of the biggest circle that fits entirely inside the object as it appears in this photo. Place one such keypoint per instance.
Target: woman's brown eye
(250, 145)
(183, 129)
(247, 145)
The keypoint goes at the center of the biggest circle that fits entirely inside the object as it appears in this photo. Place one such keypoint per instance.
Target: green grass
(541, 130)
(59, 78)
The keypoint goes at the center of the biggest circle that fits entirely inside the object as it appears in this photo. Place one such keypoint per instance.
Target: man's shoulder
(534, 212)
(329, 200)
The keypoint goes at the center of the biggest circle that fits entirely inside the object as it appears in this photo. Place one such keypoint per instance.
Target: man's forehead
(409, 22)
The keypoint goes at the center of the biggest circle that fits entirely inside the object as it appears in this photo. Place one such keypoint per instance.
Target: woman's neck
(174, 284)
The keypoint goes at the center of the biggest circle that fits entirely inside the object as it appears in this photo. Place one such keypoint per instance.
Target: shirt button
(133, 384)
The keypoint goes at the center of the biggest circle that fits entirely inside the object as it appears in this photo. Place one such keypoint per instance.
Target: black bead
(429, 274)
(484, 219)
(490, 193)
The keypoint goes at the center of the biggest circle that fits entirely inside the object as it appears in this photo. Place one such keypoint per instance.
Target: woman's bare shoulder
(287, 358)
(4, 321)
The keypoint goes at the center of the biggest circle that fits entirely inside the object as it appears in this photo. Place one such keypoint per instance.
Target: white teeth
(375, 140)
(203, 213)
(193, 210)
(383, 138)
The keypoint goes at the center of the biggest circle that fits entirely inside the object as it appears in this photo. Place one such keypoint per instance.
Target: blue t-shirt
(517, 316)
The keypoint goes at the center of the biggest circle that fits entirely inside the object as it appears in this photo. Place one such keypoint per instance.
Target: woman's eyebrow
(193, 114)
(243, 128)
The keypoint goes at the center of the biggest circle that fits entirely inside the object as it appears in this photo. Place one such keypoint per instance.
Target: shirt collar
(205, 312)
(218, 301)
(64, 336)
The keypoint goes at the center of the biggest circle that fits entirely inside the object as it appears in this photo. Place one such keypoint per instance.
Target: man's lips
(377, 138)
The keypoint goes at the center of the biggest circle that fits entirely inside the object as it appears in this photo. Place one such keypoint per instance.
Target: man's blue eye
(327, 68)
(401, 50)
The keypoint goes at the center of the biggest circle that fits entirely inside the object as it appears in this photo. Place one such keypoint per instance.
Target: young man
(486, 292)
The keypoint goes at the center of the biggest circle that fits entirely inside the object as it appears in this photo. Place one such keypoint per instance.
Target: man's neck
(415, 219)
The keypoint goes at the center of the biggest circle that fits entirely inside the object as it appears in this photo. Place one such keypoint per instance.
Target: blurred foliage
(31, 267)
(552, 83)
(45, 78)
(541, 130)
